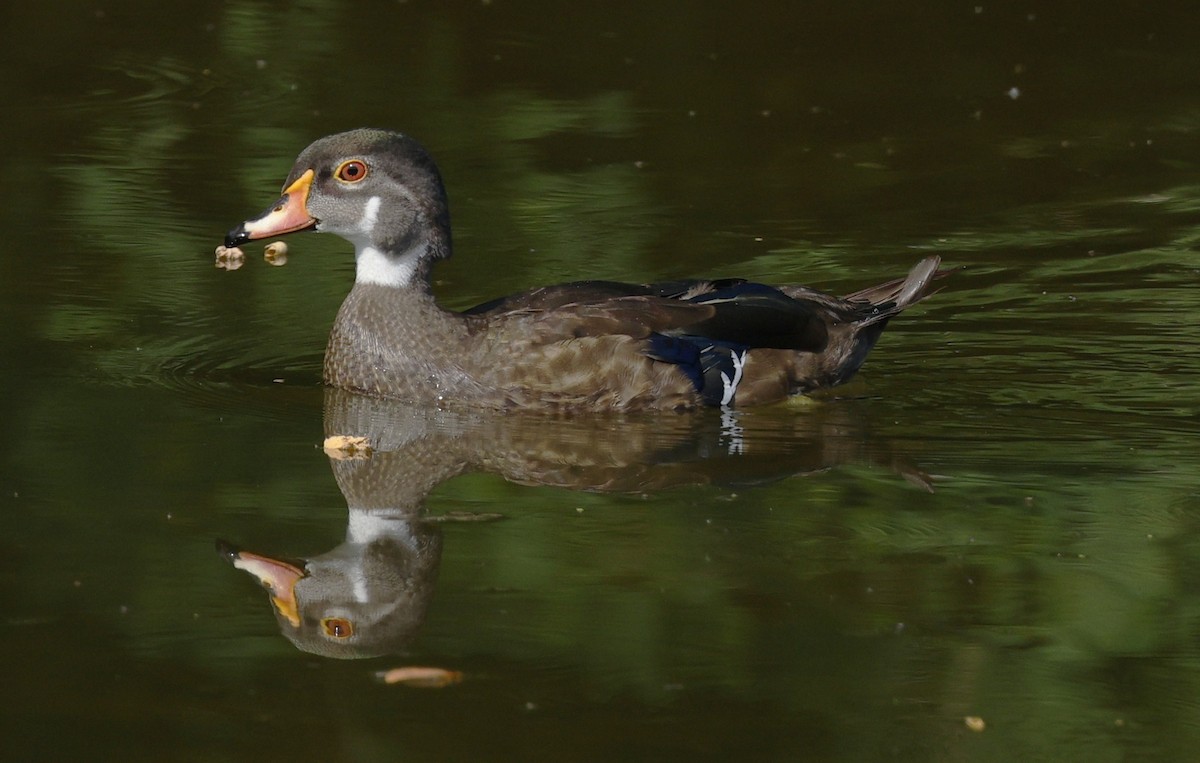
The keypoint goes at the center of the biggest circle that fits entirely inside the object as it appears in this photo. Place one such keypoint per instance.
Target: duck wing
(730, 310)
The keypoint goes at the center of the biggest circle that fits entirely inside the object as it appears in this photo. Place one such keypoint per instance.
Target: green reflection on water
(1048, 585)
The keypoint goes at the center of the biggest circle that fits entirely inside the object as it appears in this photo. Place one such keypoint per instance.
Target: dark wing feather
(729, 310)
(756, 315)
(552, 297)
(714, 368)
(636, 317)
(691, 288)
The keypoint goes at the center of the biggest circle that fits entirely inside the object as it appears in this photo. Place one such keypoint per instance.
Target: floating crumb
(230, 257)
(275, 253)
(425, 678)
(342, 446)
(975, 723)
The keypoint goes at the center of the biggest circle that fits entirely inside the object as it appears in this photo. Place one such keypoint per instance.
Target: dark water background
(650, 593)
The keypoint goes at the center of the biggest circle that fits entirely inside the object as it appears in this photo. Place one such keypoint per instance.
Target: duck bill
(278, 576)
(288, 215)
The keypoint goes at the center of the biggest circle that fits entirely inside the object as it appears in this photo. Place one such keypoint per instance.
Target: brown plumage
(590, 345)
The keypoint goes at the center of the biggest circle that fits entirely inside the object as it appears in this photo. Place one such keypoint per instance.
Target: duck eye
(337, 627)
(351, 171)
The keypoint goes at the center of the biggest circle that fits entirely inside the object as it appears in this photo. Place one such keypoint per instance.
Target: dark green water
(654, 589)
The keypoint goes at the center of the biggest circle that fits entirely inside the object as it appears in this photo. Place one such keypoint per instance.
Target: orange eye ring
(337, 627)
(351, 171)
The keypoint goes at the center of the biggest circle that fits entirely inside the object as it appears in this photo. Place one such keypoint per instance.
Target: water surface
(997, 520)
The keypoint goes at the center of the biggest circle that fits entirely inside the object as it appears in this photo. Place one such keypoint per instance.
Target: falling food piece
(425, 678)
(975, 723)
(276, 253)
(230, 257)
(344, 446)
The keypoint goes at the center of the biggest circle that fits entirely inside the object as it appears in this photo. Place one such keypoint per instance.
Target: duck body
(591, 345)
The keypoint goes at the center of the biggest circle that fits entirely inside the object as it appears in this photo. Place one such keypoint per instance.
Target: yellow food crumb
(343, 446)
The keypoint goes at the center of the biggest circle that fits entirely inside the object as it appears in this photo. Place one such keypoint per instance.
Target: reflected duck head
(361, 599)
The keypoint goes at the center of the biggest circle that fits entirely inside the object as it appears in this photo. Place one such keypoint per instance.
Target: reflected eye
(337, 627)
(351, 171)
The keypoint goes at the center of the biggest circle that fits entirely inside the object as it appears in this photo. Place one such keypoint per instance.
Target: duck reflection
(369, 595)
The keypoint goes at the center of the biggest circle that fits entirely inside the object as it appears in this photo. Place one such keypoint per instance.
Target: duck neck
(406, 269)
(390, 337)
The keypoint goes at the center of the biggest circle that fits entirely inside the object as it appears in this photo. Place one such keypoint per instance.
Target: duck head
(379, 190)
(366, 597)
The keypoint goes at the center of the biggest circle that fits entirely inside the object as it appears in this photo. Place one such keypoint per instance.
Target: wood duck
(598, 345)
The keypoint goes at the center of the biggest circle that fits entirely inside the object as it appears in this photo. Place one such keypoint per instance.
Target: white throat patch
(370, 214)
(374, 266)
